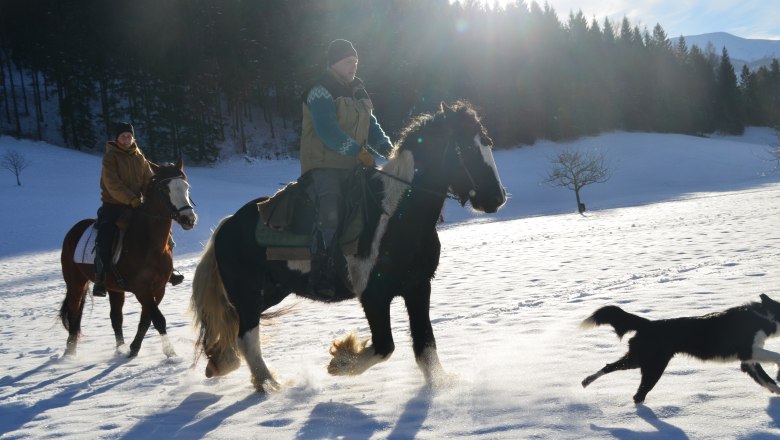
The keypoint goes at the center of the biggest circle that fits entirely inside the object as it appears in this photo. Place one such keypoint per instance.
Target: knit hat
(123, 127)
(340, 49)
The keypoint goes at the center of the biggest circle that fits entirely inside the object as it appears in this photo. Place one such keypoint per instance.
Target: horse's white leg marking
(250, 349)
(352, 357)
(167, 346)
(70, 347)
(401, 166)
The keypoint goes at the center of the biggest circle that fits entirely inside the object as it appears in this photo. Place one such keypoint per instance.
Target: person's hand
(366, 159)
(136, 202)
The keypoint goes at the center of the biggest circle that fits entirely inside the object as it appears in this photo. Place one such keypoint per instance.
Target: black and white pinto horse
(234, 283)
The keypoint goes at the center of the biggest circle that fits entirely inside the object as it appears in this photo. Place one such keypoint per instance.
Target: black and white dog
(735, 334)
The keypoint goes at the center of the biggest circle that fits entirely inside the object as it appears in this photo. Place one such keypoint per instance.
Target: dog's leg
(651, 372)
(761, 354)
(758, 374)
(624, 363)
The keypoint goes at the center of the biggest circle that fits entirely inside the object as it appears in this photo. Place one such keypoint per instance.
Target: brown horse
(145, 264)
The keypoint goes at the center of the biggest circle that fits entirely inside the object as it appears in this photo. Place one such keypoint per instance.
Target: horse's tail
(214, 317)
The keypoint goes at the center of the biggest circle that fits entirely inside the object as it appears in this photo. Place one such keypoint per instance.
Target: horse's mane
(420, 122)
(167, 170)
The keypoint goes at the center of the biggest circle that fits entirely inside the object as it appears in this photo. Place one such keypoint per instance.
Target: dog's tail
(622, 321)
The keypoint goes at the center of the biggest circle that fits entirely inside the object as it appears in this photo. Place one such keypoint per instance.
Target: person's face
(346, 68)
(125, 140)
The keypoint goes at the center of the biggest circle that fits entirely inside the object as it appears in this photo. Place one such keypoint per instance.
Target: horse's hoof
(132, 354)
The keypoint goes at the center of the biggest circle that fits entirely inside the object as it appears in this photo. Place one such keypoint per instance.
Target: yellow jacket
(125, 175)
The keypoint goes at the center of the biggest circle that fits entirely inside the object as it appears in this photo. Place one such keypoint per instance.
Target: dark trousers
(107, 216)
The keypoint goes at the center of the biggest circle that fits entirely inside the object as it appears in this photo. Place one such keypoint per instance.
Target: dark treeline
(191, 74)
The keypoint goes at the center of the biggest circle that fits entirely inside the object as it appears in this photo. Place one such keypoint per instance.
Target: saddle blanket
(85, 249)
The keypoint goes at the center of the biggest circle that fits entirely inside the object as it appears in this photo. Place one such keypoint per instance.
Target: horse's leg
(418, 303)
(70, 314)
(150, 313)
(247, 295)
(73, 305)
(117, 301)
(143, 327)
(249, 345)
(158, 320)
(351, 356)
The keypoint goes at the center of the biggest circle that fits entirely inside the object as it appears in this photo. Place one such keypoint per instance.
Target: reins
(447, 194)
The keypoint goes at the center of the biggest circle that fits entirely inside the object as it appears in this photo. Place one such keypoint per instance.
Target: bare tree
(14, 162)
(574, 170)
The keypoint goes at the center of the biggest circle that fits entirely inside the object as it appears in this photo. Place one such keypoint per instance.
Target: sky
(743, 18)
(685, 226)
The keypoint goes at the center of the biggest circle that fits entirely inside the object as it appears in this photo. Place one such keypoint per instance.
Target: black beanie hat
(123, 127)
(338, 50)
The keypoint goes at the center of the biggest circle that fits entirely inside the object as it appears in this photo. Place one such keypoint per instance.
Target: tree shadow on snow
(663, 431)
(339, 420)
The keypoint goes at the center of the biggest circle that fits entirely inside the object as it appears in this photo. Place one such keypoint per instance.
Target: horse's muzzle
(187, 220)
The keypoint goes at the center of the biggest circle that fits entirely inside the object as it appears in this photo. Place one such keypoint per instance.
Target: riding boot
(99, 289)
(321, 282)
(176, 278)
(106, 231)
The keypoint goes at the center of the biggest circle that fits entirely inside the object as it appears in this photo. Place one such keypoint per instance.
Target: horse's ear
(180, 164)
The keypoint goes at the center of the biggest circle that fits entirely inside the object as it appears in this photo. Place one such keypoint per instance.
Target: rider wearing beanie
(338, 131)
(124, 177)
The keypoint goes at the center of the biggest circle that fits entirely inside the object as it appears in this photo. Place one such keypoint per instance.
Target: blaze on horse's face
(179, 196)
(177, 191)
(476, 179)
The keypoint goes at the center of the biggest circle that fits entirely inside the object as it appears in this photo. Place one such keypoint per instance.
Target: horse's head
(453, 146)
(169, 186)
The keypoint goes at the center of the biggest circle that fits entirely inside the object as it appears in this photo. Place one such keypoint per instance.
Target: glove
(366, 159)
(136, 202)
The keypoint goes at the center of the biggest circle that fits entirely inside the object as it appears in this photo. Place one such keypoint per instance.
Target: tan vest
(353, 117)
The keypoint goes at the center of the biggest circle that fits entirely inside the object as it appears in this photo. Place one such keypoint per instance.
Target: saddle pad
(286, 245)
(85, 249)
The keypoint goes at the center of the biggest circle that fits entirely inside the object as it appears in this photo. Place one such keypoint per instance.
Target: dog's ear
(767, 301)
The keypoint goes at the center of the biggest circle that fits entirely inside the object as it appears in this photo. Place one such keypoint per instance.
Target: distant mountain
(753, 52)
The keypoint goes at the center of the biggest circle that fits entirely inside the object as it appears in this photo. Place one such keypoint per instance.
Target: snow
(685, 226)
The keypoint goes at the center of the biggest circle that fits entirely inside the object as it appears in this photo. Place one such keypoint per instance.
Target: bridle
(447, 194)
(174, 213)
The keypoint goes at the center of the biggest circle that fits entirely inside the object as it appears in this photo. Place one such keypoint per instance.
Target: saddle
(286, 220)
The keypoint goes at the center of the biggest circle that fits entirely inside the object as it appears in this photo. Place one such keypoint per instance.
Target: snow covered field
(686, 226)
